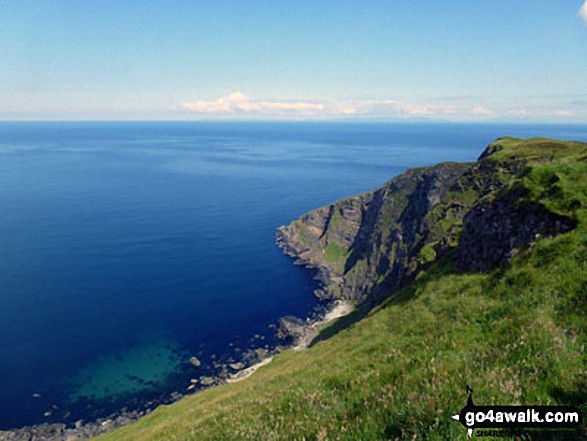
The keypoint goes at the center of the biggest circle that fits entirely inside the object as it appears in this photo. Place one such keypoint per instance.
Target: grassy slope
(517, 335)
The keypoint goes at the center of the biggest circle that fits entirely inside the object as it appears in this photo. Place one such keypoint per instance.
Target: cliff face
(494, 231)
(368, 246)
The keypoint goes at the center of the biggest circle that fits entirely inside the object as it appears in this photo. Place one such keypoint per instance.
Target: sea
(126, 248)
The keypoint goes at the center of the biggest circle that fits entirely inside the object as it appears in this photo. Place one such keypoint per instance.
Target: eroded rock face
(362, 246)
(369, 246)
(291, 328)
(494, 230)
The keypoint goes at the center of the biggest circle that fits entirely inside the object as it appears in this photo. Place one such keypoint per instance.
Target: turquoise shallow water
(127, 248)
(140, 368)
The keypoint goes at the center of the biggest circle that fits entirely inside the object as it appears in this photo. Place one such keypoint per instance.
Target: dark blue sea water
(126, 248)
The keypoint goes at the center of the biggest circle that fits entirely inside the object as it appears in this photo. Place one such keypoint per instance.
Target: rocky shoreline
(295, 333)
(369, 246)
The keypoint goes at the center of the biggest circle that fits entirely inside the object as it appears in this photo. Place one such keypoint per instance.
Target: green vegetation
(517, 335)
(334, 253)
(336, 219)
(535, 149)
(302, 233)
(427, 254)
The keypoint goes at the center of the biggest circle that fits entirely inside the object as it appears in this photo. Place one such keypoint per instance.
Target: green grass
(427, 254)
(514, 336)
(334, 253)
(517, 335)
(535, 149)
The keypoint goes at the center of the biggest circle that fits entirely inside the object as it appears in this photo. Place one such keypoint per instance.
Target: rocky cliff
(478, 214)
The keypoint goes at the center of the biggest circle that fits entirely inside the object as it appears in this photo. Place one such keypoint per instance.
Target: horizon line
(310, 120)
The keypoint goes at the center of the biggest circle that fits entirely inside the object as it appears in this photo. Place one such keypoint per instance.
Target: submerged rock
(207, 381)
(195, 362)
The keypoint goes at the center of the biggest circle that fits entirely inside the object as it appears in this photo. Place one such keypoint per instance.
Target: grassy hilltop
(506, 314)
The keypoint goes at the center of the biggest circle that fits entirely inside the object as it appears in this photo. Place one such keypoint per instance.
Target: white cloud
(411, 109)
(481, 111)
(221, 105)
(240, 106)
(521, 112)
(563, 113)
(296, 107)
(349, 110)
(385, 106)
(238, 102)
(583, 12)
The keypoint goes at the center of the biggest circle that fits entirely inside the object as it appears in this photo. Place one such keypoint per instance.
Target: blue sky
(481, 60)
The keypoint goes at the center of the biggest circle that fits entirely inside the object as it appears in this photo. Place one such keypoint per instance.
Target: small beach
(339, 309)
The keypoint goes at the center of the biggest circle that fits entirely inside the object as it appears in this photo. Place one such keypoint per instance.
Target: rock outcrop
(358, 245)
(291, 329)
(367, 247)
(495, 230)
(60, 432)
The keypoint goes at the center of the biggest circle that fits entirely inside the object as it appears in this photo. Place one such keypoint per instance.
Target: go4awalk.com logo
(517, 417)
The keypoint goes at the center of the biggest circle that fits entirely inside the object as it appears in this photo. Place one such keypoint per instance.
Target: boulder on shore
(206, 381)
(290, 328)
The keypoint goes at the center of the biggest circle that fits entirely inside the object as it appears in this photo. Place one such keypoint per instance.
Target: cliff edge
(497, 302)
(369, 246)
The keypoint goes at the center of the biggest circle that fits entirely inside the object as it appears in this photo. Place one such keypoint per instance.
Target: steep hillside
(487, 264)
(366, 247)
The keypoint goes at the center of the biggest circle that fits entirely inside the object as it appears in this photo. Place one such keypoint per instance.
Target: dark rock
(290, 328)
(207, 381)
(42, 432)
(175, 396)
(223, 374)
(495, 230)
(368, 247)
(379, 233)
(261, 353)
(60, 432)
